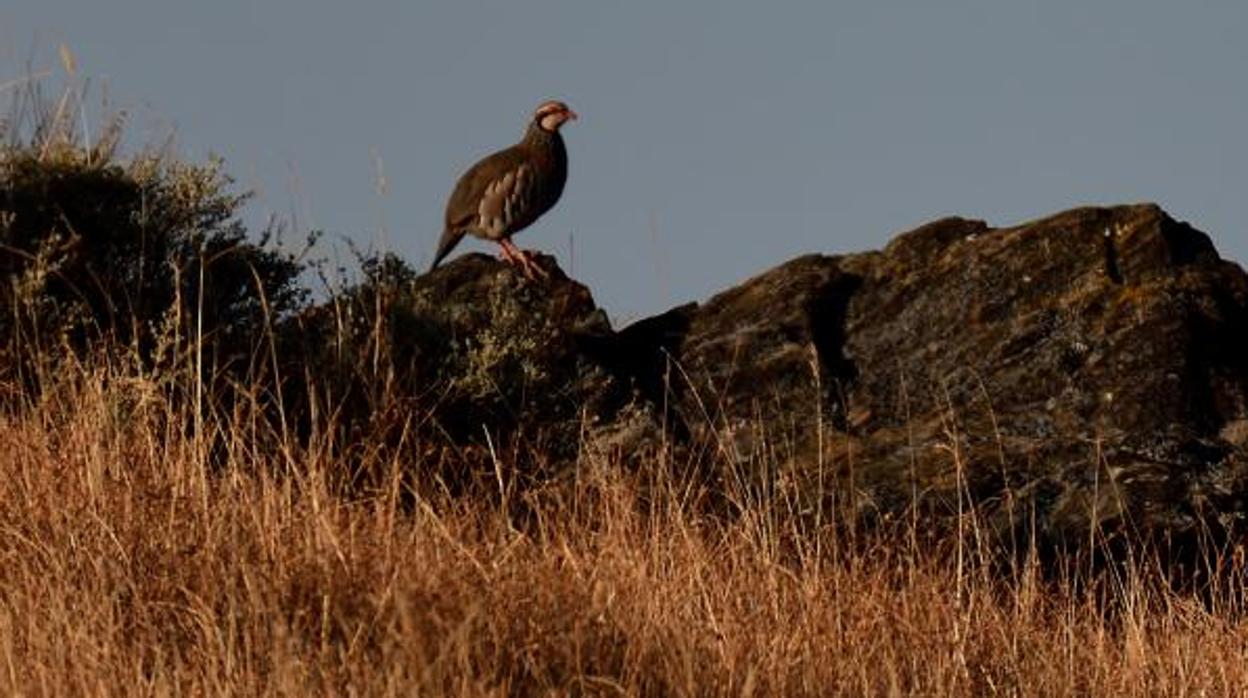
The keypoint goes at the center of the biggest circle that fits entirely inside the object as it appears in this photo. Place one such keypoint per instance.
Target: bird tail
(450, 238)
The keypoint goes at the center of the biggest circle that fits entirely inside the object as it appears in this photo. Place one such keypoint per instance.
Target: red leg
(506, 251)
(531, 269)
(519, 256)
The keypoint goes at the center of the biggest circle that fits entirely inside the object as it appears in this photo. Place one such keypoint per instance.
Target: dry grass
(128, 567)
(137, 560)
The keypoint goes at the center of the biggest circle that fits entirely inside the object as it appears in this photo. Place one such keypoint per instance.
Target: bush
(147, 254)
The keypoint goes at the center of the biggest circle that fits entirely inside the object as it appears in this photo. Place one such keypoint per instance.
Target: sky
(716, 140)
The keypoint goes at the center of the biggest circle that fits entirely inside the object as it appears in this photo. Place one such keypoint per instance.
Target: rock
(1075, 371)
(1080, 367)
(471, 357)
(1087, 371)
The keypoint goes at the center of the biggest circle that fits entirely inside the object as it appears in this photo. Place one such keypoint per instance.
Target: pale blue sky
(715, 140)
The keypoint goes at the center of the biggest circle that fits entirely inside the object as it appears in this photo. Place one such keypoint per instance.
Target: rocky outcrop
(1087, 371)
(1083, 369)
(468, 359)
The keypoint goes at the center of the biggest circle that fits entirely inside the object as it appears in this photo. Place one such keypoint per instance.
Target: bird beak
(572, 115)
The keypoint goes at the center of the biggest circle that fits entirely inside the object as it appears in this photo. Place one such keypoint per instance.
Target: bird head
(550, 115)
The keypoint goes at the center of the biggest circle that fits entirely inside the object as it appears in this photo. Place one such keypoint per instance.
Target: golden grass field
(153, 545)
(129, 567)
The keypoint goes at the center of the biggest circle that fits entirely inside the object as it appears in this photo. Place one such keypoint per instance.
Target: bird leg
(506, 251)
(531, 268)
(516, 255)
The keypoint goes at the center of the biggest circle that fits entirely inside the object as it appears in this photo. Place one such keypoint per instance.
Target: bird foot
(531, 268)
(511, 254)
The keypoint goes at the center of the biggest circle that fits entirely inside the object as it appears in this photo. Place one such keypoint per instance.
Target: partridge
(505, 192)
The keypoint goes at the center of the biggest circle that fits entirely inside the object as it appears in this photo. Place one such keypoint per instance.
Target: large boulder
(1085, 372)
(1080, 376)
(1088, 371)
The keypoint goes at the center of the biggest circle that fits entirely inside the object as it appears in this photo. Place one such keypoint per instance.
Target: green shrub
(148, 254)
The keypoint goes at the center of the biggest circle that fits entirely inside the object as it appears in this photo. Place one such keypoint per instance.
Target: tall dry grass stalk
(131, 565)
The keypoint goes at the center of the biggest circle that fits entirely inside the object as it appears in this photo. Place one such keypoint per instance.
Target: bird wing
(492, 195)
(504, 207)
